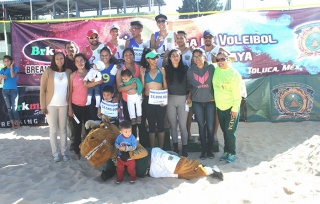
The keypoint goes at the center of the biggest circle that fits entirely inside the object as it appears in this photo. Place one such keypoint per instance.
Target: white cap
(114, 26)
(100, 65)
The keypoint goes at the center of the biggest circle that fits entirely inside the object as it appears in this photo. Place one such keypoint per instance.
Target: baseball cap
(152, 54)
(114, 26)
(161, 16)
(91, 32)
(100, 65)
(206, 32)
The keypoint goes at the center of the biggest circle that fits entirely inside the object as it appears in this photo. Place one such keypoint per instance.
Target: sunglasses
(207, 37)
(221, 59)
(155, 58)
(161, 21)
(134, 28)
(197, 57)
(93, 37)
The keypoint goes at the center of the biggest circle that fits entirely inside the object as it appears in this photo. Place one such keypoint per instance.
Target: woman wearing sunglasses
(199, 78)
(153, 78)
(227, 91)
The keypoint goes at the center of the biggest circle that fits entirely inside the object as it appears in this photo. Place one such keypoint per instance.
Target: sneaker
(56, 159)
(138, 120)
(231, 158)
(203, 156)
(118, 181)
(217, 173)
(184, 152)
(210, 155)
(132, 181)
(224, 156)
(133, 121)
(65, 158)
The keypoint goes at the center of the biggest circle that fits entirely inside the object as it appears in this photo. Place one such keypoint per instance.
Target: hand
(233, 114)
(115, 99)
(142, 71)
(92, 80)
(44, 111)
(188, 100)
(122, 148)
(11, 65)
(163, 105)
(70, 112)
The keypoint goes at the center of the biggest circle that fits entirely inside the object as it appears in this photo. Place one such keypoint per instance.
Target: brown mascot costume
(98, 148)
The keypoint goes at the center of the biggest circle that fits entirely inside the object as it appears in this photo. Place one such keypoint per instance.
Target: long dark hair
(54, 66)
(181, 72)
(128, 49)
(108, 50)
(143, 61)
(8, 57)
(86, 65)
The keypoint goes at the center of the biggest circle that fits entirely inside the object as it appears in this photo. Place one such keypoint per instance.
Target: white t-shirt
(59, 97)
(163, 164)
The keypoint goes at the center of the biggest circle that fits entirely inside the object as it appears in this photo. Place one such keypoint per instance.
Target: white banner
(157, 97)
(109, 109)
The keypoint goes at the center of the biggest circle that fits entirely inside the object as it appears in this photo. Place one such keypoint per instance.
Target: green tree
(204, 5)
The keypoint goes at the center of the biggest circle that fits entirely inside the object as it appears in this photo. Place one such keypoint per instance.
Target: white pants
(57, 119)
(132, 100)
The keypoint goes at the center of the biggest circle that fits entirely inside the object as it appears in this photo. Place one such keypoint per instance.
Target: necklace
(60, 75)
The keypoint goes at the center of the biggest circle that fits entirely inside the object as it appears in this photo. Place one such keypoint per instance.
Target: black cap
(161, 16)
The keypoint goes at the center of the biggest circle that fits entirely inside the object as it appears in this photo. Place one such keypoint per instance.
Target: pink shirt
(79, 92)
(136, 75)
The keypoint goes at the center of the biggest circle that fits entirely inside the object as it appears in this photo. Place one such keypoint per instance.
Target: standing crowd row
(195, 80)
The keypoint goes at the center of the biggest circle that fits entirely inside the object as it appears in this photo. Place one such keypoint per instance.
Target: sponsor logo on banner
(308, 39)
(42, 49)
(293, 100)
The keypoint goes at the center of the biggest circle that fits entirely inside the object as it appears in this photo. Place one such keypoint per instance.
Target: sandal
(190, 139)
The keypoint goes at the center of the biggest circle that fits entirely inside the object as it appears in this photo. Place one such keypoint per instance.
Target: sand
(276, 163)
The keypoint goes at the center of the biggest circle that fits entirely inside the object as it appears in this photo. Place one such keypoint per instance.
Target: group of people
(133, 73)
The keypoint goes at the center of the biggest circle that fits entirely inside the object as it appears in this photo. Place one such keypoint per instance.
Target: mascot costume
(98, 148)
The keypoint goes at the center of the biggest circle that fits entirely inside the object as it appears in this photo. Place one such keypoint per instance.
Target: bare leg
(161, 139)
(216, 126)
(152, 139)
(12, 124)
(18, 124)
(189, 120)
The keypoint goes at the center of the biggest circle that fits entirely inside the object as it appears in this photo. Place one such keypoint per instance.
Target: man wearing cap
(210, 48)
(211, 51)
(116, 45)
(92, 51)
(137, 43)
(163, 39)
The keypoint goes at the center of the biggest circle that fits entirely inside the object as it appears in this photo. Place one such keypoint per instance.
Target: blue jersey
(9, 82)
(108, 77)
(138, 48)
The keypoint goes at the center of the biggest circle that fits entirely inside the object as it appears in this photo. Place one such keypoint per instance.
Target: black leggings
(83, 115)
(155, 114)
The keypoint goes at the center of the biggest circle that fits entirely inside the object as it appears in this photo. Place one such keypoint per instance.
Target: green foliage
(204, 5)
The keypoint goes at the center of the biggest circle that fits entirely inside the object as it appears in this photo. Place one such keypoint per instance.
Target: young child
(94, 75)
(107, 97)
(134, 96)
(125, 142)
